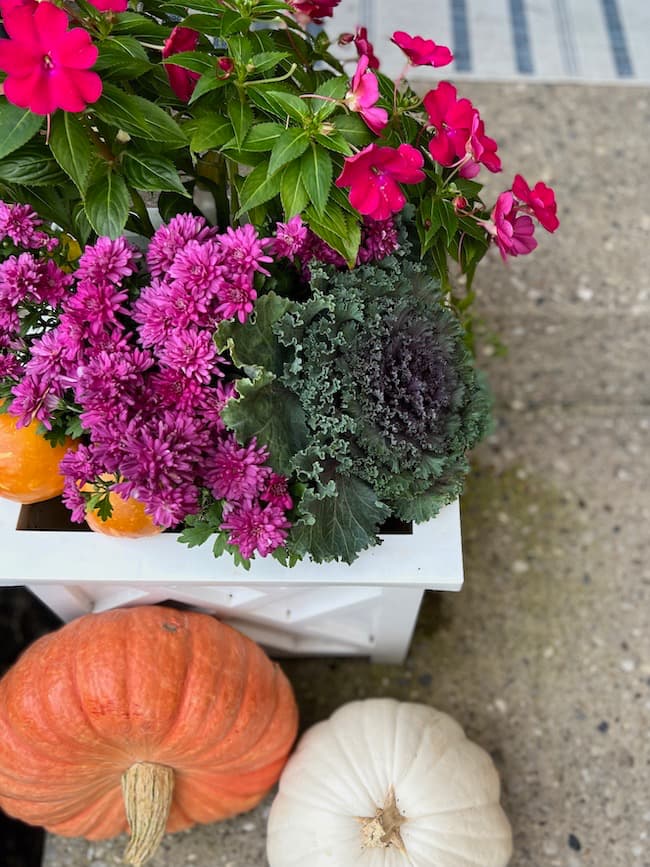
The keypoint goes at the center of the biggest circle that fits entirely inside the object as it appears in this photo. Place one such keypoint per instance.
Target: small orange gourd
(29, 465)
(148, 717)
(128, 519)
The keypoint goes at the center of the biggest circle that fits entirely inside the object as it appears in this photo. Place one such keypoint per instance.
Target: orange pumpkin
(128, 519)
(29, 465)
(189, 716)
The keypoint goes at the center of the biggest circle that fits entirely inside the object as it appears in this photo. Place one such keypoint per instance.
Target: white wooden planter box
(366, 609)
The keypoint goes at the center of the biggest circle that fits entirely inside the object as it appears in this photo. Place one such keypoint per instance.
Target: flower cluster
(145, 378)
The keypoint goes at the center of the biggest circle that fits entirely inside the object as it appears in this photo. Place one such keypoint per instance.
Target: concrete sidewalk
(544, 657)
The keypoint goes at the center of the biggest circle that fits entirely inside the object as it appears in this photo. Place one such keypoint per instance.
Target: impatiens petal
(406, 165)
(32, 91)
(366, 197)
(51, 24)
(16, 59)
(438, 102)
(20, 26)
(75, 50)
(442, 151)
(110, 5)
(375, 118)
(422, 52)
(521, 189)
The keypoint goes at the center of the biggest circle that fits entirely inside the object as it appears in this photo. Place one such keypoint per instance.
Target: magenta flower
(174, 390)
(35, 399)
(182, 81)
(244, 250)
(226, 65)
(20, 223)
(512, 234)
(110, 5)
(290, 238)
(480, 148)
(452, 120)
(107, 261)
(237, 472)
(47, 65)
(362, 96)
(7, 5)
(314, 10)
(540, 200)
(365, 47)
(422, 52)
(374, 176)
(192, 352)
(378, 240)
(198, 267)
(236, 299)
(96, 305)
(276, 492)
(253, 528)
(168, 240)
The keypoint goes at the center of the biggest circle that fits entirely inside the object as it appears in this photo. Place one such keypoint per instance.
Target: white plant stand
(367, 609)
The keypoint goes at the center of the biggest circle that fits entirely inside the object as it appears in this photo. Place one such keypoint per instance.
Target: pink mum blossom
(35, 399)
(96, 305)
(20, 223)
(512, 234)
(237, 472)
(452, 120)
(540, 200)
(378, 240)
(182, 81)
(198, 267)
(253, 528)
(236, 299)
(192, 352)
(107, 261)
(362, 96)
(47, 65)
(374, 176)
(422, 52)
(244, 250)
(290, 238)
(169, 239)
(276, 492)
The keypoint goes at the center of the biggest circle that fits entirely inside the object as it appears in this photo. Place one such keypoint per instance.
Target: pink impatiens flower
(47, 65)
(374, 176)
(363, 94)
(541, 201)
(452, 120)
(422, 52)
(314, 10)
(364, 46)
(480, 148)
(182, 81)
(512, 234)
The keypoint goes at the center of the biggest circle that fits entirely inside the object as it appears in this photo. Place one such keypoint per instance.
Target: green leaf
(33, 165)
(171, 204)
(17, 126)
(209, 25)
(448, 218)
(292, 191)
(107, 205)
(340, 230)
(353, 129)
(267, 60)
(332, 88)
(269, 411)
(258, 188)
(196, 61)
(316, 171)
(137, 116)
(471, 227)
(140, 25)
(122, 57)
(338, 526)
(209, 132)
(334, 141)
(292, 144)
(468, 188)
(241, 116)
(152, 173)
(263, 137)
(287, 105)
(71, 147)
(208, 82)
(253, 344)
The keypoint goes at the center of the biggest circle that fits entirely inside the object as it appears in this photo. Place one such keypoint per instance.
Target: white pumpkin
(384, 783)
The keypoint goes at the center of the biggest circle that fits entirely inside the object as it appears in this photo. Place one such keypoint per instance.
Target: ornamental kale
(371, 377)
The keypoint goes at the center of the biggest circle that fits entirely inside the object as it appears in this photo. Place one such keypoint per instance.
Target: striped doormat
(606, 41)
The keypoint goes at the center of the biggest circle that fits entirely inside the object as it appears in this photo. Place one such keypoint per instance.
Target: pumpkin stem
(148, 790)
(383, 829)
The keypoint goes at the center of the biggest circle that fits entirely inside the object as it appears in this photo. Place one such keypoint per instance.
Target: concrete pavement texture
(544, 657)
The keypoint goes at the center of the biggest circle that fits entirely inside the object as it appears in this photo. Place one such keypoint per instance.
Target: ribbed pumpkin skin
(128, 520)
(144, 684)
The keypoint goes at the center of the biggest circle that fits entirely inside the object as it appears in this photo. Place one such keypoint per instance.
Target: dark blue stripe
(617, 39)
(521, 37)
(460, 36)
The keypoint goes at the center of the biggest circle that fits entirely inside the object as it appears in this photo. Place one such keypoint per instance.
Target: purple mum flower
(245, 250)
(20, 223)
(290, 238)
(107, 261)
(96, 305)
(170, 239)
(193, 352)
(236, 299)
(35, 399)
(253, 528)
(236, 472)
